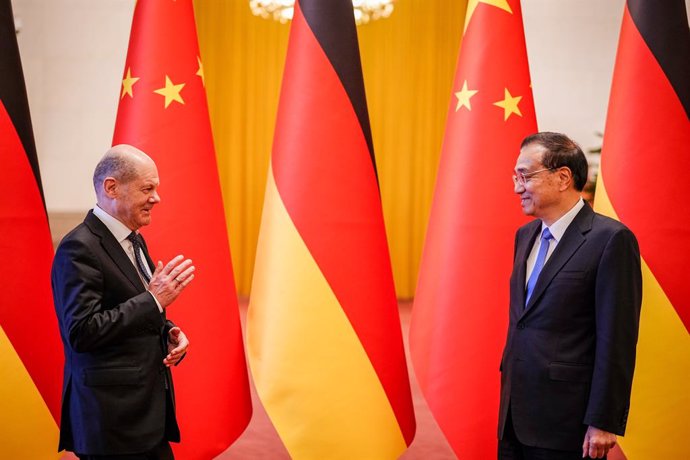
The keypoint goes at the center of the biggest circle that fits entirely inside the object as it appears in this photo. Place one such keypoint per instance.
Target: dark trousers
(510, 448)
(162, 451)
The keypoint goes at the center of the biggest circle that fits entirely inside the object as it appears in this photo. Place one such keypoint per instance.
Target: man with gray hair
(111, 302)
(575, 297)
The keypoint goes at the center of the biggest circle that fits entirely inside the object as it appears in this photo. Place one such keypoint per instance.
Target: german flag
(324, 338)
(163, 111)
(643, 182)
(30, 347)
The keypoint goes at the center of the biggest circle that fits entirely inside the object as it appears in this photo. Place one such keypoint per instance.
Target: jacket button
(521, 325)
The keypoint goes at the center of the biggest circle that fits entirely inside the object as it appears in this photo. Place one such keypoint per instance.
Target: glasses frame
(523, 178)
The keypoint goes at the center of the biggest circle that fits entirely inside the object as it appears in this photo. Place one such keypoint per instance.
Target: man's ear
(565, 177)
(110, 186)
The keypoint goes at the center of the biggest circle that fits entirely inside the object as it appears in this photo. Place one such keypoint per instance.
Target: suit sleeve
(618, 299)
(78, 285)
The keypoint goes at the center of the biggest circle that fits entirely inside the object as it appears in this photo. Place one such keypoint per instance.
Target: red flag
(324, 337)
(643, 181)
(30, 347)
(460, 312)
(163, 112)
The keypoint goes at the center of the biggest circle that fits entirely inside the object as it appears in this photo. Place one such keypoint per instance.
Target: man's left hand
(177, 346)
(597, 443)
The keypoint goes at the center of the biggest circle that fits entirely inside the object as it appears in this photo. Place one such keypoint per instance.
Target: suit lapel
(114, 249)
(572, 239)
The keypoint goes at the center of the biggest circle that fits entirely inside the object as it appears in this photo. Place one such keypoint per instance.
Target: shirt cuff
(160, 308)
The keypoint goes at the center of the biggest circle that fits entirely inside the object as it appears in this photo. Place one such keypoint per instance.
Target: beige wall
(73, 52)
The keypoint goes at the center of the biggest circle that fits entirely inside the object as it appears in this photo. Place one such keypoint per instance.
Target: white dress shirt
(557, 230)
(120, 231)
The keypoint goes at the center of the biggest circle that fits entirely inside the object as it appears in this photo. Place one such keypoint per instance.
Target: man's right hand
(170, 279)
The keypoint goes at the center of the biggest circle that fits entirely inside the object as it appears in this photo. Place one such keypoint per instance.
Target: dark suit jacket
(570, 353)
(117, 394)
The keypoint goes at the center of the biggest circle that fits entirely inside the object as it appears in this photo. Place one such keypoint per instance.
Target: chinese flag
(163, 112)
(460, 312)
(324, 338)
(643, 182)
(30, 348)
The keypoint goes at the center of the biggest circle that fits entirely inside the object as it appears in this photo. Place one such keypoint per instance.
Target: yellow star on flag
(464, 96)
(509, 104)
(171, 92)
(200, 72)
(472, 6)
(128, 83)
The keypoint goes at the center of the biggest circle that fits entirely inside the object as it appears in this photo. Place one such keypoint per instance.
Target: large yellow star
(509, 104)
(171, 92)
(464, 96)
(200, 72)
(472, 5)
(128, 83)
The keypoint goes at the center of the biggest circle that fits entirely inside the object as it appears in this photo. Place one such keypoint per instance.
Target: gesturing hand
(168, 281)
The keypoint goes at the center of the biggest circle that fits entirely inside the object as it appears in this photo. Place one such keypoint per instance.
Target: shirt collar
(559, 227)
(119, 230)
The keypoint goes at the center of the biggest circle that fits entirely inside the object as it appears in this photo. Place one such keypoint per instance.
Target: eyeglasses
(523, 178)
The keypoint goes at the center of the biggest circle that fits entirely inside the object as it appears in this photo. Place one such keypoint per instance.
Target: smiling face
(126, 182)
(134, 199)
(540, 195)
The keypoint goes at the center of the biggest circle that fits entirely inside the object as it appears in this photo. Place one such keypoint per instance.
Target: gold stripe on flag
(27, 427)
(295, 325)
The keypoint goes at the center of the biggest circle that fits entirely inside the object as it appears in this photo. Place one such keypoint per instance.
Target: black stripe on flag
(333, 24)
(13, 89)
(663, 25)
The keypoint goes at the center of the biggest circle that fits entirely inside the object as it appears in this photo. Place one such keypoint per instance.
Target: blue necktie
(546, 238)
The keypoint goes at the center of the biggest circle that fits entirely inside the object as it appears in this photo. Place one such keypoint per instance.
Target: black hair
(560, 151)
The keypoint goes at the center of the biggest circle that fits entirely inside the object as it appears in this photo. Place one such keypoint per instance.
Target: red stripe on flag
(26, 302)
(645, 160)
(325, 177)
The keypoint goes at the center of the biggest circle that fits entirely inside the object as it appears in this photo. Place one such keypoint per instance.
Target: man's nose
(518, 187)
(155, 197)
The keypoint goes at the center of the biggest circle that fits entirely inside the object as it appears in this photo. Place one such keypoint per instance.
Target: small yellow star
(171, 92)
(509, 104)
(200, 72)
(464, 96)
(472, 6)
(128, 83)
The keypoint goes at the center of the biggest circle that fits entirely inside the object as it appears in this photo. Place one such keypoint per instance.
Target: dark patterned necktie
(138, 246)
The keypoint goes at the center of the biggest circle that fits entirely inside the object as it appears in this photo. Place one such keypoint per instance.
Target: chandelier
(282, 10)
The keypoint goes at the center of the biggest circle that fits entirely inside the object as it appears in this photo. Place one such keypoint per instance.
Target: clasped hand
(177, 346)
(170, 279)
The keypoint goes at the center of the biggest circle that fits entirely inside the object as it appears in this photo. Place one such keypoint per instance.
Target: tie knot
(135, 238)
(546, 234)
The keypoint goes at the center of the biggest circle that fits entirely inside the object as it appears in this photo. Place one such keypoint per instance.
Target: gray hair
(119, 162)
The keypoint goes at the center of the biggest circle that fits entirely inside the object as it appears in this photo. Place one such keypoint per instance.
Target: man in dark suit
(575, 296)
(111, 301)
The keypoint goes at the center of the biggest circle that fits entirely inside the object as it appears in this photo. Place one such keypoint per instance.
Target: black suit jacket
(117, 394)
(570, 352)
